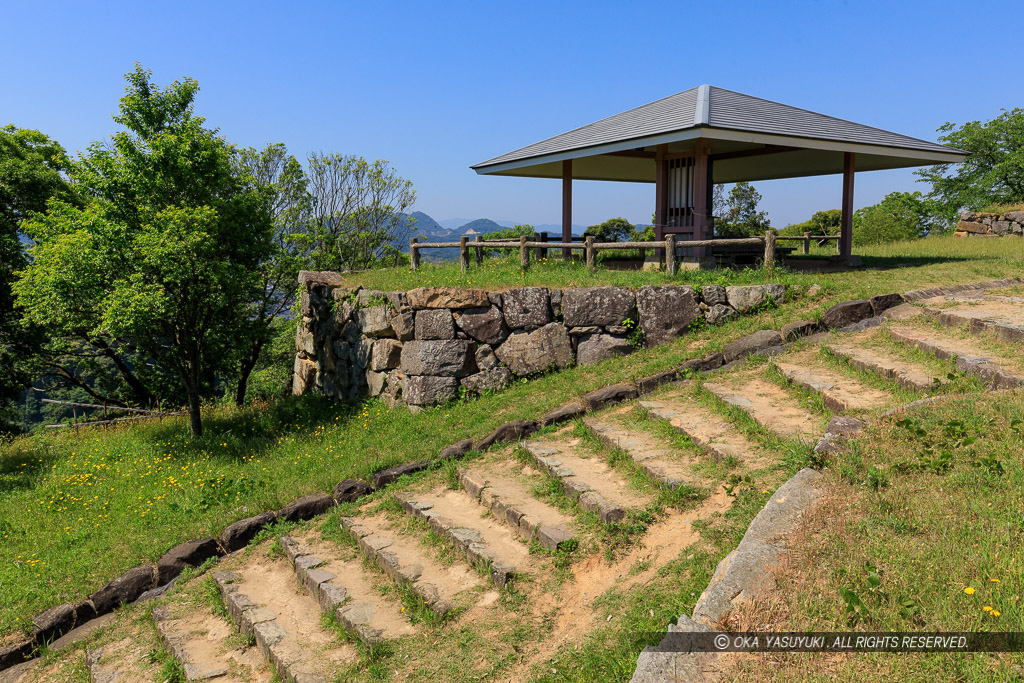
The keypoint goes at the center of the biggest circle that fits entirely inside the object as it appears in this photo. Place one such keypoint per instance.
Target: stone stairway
(424, 556)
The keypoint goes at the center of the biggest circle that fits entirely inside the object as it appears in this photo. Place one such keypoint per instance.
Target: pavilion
(687, 142)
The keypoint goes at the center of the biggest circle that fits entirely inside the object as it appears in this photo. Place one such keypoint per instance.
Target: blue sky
(434, 86)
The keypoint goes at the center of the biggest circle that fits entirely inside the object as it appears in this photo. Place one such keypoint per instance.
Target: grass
(1003, 208)
(908, 547)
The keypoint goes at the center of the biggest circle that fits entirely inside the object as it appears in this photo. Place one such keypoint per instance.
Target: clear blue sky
(434, 87)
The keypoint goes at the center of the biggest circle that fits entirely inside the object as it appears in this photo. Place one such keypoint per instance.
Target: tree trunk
(248, 364)
(195, 420)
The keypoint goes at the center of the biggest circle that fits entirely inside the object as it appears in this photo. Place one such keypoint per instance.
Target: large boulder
(665, 312)
(488, 380)
(970, 226)
(1015, 216)
(351, 490)
(306, 507)
(305, 375)
(542, 349)
(188, 554)
(445, 358)
(752, 343)
(485, 325)
(746, 297)
(447, 297)
(435, 323)
(427, 390)
(1000, 227)
(53, 623)
(595, 348)
(598, 306)
(719, 313)
(884, 302)
(847, 313)
(527, 307)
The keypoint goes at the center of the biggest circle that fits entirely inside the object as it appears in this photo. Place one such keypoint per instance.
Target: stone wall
(981, 224)
(427, 345)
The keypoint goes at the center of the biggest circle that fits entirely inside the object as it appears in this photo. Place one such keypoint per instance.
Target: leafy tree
(32, 169)
(359, 213)
(612, 230)
(899, 216)
(165, 257)
(280, 177)
(992, 174)
(741, 217)
(643, 234)
(513, 233)
(828, 222)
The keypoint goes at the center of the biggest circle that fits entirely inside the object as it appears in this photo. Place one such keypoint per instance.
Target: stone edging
(146, 581)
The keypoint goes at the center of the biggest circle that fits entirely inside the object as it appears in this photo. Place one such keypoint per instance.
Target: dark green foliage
(612, 230)
(899, 216)
(738, 216)
(992, 174)
(820, 223)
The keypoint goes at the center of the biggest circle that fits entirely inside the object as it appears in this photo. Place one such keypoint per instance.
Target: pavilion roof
(801, 142)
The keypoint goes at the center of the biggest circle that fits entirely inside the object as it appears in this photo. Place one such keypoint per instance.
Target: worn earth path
(500, 564)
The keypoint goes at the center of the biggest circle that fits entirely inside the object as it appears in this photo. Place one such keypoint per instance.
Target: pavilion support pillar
(701, 210)
(567, 207)
(846, 225)
(660, 197)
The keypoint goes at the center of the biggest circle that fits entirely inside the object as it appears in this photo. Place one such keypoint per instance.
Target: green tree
(992, 174)
(740, 217)
(165, 256)
(899, 216)
(32, 170)
(612, 230)
(359, 213)
(281, 179)
(826, 222)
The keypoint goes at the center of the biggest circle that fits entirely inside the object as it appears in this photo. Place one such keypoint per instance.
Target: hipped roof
(749, 138)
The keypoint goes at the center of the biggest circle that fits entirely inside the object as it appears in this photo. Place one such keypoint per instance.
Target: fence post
(769, 249)
(839, 246)
(464, 253)
(544, 250)
(414, 253)
(524, 253)
(591, 254)
(807, 243)
(670, 254)
(479, 251)
(537, 251)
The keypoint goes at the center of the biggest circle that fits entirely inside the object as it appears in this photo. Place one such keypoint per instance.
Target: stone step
(769, 406)
(484, 542)
(840, 394)
(407, 561)
(908, 375)
(970, 358)
(201, 642)
(707, 429)
(586, 478)
(1002, 318)
(343, 588)
(264, 602)
(658, 461)
(496, 486)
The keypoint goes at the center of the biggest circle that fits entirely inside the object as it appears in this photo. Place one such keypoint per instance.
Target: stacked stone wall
(981, 224)
(432, 344)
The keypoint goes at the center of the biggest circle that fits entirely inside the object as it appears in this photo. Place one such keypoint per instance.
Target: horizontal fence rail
(540, 245)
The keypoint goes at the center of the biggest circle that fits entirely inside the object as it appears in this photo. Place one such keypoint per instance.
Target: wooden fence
(143, 414)
(589, 247)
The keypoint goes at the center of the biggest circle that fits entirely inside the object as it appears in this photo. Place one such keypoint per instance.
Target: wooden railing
(806, 239)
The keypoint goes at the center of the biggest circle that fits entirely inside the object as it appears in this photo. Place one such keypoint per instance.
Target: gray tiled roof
(727, 110)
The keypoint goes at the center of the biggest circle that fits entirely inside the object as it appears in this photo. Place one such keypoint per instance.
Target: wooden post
(846, 226)
(524, 253)
(591, 254)
(464, 253)
(701, 164)
(479, 250)
(538, 252)
(544, 250)
(670, 255)
(414, 253)
(769, 249)
(807, 243)
(567, 206)
(660, 194)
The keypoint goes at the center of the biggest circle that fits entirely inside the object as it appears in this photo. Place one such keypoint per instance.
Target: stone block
(526, 308)
(616, 393)
(711, 362)
(306, 507)
(374, 321)
(494, 379)
(744, 298)
(436, 323)
(563, 413)
(665, 312)
(188, 554)
(386, 355)
(485, 325)
(752, 343)
(798, 328)
(971, 227)
(442, 358)
(447, 297)
(594, 348)
(424, 390)
(236, 536)
(884, 302)
(542, 349)
(507, 433)
(713, 294)
(124, 589)
(719, 313)
(600, 306)
(404, 325)
(351, 490)
(847, 313)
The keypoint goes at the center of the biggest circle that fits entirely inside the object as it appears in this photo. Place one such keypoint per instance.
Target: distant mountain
(480, 226)
(425, 224)
(453, 223)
